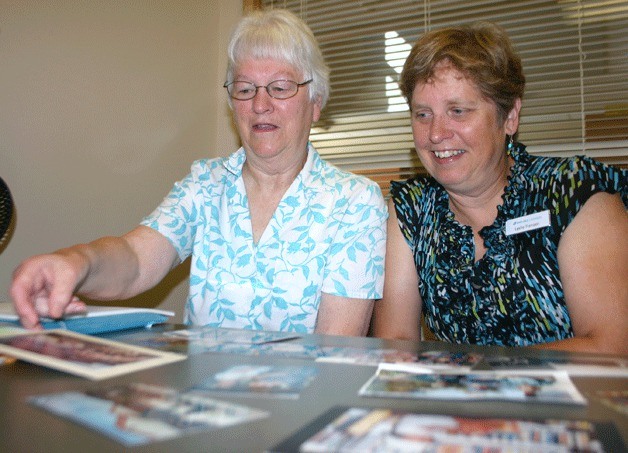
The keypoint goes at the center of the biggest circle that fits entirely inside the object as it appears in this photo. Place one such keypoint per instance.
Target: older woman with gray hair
(280, 239)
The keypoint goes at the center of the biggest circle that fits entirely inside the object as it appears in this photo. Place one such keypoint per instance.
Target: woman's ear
(317, 109)
(512, 120)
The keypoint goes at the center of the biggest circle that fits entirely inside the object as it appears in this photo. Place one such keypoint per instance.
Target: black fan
(6, 209)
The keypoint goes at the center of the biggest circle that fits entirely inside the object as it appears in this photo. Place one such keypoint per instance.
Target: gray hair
(280, 35)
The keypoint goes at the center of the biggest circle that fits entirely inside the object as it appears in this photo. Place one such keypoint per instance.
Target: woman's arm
(106, 269)
(398, 313)
(593, 266)
(343, 316)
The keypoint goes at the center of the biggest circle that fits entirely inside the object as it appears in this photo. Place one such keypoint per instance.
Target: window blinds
(575, 58)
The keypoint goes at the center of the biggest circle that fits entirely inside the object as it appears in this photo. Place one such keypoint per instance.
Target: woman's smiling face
(271, 127)
(456, 130)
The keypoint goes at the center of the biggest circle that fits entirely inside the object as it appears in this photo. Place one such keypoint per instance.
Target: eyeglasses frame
(257, 87)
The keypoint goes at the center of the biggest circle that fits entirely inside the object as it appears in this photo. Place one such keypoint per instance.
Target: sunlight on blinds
(396, 50)
(574, 55)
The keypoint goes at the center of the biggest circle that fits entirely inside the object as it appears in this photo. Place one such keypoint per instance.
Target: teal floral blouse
(328, 234)
(513, 296)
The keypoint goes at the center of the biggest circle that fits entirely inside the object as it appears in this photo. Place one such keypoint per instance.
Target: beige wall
(103, 105)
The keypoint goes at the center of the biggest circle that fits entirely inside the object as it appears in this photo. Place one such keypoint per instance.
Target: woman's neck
(479, 208)
(265, 188)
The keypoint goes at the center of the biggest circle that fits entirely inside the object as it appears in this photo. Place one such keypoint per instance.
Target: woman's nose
(262, 102)
(439, 129)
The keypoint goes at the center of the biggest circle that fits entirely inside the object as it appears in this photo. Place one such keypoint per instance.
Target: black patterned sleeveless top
(513, 296)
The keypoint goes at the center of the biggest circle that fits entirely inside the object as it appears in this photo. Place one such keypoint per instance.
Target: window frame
(379, 144)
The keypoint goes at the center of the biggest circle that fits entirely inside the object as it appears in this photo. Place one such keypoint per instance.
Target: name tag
(528, 222)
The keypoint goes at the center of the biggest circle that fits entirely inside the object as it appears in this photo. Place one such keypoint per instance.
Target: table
(24, 428)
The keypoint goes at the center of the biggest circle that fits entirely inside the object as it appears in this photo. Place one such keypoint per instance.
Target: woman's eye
(421, 115)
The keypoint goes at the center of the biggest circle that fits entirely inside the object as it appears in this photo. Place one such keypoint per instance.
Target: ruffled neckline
(495, 235)
(495, 239)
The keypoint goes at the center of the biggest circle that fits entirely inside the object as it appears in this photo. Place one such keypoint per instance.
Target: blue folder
(96, 320)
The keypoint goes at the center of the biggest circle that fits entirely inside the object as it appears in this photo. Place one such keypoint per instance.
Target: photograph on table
(547, 387)
(221, 335)
(426, 359)
(273, 381)
(285, 349)
(199, 340)
(353, 430)
(581, 365)
(138, 414)
(82, 355)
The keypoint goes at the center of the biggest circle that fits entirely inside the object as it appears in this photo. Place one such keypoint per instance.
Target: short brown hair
(481, 51)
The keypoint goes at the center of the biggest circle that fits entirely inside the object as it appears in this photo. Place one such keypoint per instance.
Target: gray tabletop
(25, 428)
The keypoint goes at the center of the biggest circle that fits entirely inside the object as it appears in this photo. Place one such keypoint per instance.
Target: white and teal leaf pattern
(327, 235)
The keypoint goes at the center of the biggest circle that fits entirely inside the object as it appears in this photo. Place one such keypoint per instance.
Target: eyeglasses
(278, 89)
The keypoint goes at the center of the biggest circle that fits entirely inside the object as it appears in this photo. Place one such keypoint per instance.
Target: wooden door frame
(250, 5)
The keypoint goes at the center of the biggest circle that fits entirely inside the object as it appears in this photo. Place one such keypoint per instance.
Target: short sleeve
(177, 216)
(577, 179)
(411, 204)
(355, 264)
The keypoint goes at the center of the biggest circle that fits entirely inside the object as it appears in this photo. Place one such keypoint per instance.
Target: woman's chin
(450, 179)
